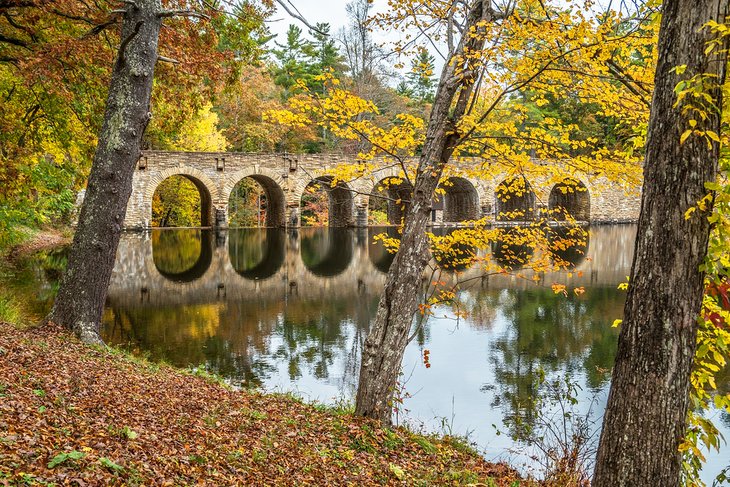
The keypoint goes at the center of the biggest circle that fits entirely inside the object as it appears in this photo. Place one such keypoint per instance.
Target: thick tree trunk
(384, 347)
(80, 300)
(645, 419)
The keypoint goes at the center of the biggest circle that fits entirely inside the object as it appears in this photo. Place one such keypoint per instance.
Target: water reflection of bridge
(180, 267)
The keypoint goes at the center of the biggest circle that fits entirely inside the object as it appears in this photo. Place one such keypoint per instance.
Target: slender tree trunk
(645, 418)
(387, 340)
(80, 300)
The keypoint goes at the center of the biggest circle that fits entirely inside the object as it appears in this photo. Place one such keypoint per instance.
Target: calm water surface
(289, 311)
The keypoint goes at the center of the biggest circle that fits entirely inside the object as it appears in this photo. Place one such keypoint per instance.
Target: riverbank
(35, 240)
(73, 414)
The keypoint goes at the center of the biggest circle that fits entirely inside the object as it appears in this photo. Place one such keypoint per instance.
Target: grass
(10, 309)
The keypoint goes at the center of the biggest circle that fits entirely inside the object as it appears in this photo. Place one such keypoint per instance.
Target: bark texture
(384, 347)
(645, 418)
(81, 297)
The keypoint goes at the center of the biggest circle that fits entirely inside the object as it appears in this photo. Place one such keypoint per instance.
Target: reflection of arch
(515, 200)
(182, 255)
(205, 186)
(326, 252)
(275, 199)
(570, 198)
(256, 253)
(341, 206)
(377, 252)
(458, 256)
(509, 254)
(391, 195)
(568, 245)
(461, 201)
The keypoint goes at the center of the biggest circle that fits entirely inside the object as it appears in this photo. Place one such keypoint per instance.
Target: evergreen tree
(291, 61)
(420, 82)
(324, 56)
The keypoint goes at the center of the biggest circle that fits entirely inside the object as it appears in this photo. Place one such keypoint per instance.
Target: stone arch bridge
(285, 177)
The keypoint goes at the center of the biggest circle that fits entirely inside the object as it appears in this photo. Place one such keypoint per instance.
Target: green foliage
(63, 457)
(420, 83)
(176, 203)
(247, 205)
(10, 308)
(106, 463)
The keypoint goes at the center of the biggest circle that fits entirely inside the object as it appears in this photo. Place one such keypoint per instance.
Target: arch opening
(325, 205)
(182, 255)
(181, 200)
(326, 252)
(257, 201)
(389, 201)
(257, 253)
(460, 200)
(514, 200)
(568, 200)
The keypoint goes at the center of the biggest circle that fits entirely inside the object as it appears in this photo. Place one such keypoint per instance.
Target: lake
(288, 311)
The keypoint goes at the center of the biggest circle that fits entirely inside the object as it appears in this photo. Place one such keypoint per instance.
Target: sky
(334, 13)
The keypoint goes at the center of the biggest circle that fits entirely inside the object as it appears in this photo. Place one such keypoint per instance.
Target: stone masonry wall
(289, 174)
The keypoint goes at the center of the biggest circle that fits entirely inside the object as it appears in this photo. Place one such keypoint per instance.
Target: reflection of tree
(553, 333)
(314, 333)
(176, 251)
(182, 255)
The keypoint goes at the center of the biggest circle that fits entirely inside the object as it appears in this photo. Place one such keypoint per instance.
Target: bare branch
(167, 60)
(182, 13)
(294, 12)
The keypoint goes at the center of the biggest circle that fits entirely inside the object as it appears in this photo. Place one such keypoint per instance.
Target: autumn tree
(501, 53)
(81, 297)
(645, 417)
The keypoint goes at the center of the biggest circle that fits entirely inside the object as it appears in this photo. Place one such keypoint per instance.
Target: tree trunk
(384, 347)
(645, 418)
(80, 299)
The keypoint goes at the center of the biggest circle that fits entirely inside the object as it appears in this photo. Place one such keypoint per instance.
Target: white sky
(332, 12)
(314, 11)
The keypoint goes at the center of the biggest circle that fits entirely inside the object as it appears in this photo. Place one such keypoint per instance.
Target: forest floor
(71, 414)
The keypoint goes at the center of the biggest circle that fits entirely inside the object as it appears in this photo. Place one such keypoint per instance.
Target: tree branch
(294, 12)
(182, 13)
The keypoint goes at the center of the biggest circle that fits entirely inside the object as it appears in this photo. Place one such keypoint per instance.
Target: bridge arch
(272, 185)
(340, 201)
(391, 196)
(570, 199)
(460, 200)
(514, 200)
(204, 185)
